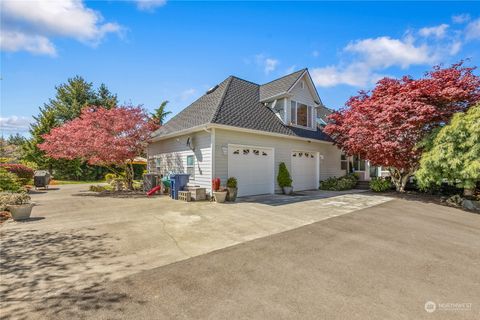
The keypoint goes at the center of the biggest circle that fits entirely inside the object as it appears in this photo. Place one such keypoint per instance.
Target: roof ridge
(246, 80)
(284, 76)
(222, 98)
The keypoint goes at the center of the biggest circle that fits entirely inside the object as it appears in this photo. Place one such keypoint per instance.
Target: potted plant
(219, 194)
(232, 189)
(284, 179)
(18, 204)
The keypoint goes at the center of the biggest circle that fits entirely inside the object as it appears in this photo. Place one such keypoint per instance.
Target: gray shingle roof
(236, 103)
(280, 85)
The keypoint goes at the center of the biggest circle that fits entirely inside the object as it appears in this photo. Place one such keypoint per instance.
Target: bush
(284, 179)
(24, 173)
(232, 182)
(380, 185)
(338, 184)
(109, 177)
(99, 188)
(9, 181)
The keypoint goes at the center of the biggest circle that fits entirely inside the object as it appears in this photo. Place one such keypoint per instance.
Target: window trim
(310, 112)
(192, 166)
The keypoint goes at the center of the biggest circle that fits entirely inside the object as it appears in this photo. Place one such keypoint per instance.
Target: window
(358, 163)
(191, 167)
(343, 162)
(301, 114)
(158, 162)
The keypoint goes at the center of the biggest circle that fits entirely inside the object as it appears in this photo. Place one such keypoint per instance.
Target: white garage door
(253, 167)
(305, 170)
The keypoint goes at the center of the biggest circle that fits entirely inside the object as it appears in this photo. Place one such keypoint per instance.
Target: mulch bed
(4, 216)
(117, 194)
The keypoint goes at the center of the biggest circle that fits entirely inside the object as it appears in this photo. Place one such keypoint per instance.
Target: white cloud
(437, 31)
(369, 58)
(149, 5)
(461, 18)
(472, 31)
(37, 21)
(16, 41)
(267, 63)
(384, 52)
(15, 124)
(187, 94)
(455, 48)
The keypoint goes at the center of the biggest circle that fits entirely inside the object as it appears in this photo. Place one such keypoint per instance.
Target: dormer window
(301, 114)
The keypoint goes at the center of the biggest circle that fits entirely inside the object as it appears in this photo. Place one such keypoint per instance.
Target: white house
(245, 130)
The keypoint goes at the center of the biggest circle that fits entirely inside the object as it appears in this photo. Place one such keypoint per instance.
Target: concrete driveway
(76, 242)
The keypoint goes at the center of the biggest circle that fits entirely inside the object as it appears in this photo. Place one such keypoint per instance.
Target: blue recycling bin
(177, 182)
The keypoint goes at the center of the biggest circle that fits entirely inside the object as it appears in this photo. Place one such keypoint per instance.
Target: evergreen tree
(105, 98)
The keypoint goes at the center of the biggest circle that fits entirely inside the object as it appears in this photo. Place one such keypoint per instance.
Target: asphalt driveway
(390, 261)
(75, 242)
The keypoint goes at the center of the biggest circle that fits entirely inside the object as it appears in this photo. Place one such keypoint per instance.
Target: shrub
(109, 177)
(284, 179)
(232, 182)
(9, 181)
(380, 185)
(99, 188)
(24, 173)
(7, 199)
(337, 184)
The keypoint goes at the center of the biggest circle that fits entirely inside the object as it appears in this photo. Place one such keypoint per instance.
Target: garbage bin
(41, 179)
(177, 182)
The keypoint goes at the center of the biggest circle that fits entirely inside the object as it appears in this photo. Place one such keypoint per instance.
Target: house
(245, 130)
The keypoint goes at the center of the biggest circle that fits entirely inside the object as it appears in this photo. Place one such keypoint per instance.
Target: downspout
(212, 147)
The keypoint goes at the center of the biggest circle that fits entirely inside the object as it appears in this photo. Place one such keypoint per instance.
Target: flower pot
(220, 196)
(287, 190)
(20, 212)
(232, 194)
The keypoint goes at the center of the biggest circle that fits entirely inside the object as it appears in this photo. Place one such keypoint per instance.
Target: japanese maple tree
(385, 125)
(106, 137)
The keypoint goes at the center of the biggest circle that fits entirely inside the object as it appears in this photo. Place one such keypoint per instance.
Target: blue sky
(150, 51)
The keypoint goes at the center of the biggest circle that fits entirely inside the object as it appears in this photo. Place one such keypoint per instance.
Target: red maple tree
(385, 125)
(111, 138)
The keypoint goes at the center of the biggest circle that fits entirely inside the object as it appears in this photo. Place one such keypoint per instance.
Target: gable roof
(280, 85)
(236, 102)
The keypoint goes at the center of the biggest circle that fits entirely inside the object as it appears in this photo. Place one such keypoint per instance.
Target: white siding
(173, 156)
(329, 165)
(303, 96)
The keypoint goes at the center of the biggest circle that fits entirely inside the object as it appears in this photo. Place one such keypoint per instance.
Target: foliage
(159, 115)
(11, 199)
(232, 182)
(216, 184)
(453, 153)
(29, 164)
(342, 183)
(10, 150)
(71, 97)
(100, 188)
(380, 185)
(106, 137)
(9, 181)
(283, 178)
(386, 124)
(24, 173)
(109, 177)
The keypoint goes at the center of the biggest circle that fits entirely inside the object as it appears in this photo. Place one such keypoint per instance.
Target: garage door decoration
(254, 169)
(304, 170)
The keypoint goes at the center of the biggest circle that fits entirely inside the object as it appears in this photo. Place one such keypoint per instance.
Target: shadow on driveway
(282, 199)
(51, 272)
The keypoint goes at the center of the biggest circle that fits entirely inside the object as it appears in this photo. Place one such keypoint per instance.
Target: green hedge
(380, 185)
(342, 183)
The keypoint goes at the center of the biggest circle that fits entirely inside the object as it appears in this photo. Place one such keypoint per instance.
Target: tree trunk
(129, 176)
(399, 178)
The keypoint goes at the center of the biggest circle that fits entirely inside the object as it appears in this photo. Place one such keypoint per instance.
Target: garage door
(253, 167)
(305, 170)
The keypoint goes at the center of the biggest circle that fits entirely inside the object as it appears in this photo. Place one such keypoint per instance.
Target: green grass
(77, 182)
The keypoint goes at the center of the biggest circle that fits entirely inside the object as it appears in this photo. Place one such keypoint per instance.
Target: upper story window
(301, 114)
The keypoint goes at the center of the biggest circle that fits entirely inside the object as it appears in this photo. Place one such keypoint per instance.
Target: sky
(150, 51)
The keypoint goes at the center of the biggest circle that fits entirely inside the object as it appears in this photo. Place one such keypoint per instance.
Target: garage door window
(191, 166)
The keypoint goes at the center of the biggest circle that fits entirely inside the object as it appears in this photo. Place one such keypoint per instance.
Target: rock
(471, 205)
